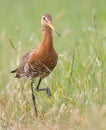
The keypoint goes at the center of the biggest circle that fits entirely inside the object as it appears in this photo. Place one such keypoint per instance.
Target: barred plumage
(40, 61)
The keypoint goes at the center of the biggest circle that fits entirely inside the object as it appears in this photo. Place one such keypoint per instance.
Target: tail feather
(17, 76)
(13, 71)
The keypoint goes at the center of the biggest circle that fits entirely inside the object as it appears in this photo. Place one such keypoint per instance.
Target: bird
(40, 61)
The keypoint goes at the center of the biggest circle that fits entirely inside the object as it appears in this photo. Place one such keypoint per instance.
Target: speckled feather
(40, 61)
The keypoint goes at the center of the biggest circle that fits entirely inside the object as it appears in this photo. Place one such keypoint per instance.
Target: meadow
(78, 83)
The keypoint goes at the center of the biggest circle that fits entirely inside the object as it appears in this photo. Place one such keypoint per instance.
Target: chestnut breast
(41, 62)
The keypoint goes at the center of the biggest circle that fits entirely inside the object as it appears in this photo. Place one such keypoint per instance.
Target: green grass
(78, 83)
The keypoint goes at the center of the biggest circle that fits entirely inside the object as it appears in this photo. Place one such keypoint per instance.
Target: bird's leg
(43, 89)
(33, 99)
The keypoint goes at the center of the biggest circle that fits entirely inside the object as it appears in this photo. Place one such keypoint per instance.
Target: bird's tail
(13, 71)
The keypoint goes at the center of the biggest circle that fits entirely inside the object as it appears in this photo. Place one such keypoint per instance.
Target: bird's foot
(48, 92)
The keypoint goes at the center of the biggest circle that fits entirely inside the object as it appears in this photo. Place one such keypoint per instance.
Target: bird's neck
(47, 39)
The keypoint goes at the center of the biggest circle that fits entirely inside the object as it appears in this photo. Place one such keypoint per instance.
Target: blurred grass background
(78, 83)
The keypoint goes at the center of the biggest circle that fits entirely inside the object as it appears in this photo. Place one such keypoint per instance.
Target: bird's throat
(47, 39)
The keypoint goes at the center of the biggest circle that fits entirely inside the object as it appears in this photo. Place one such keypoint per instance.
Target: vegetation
(78, 83)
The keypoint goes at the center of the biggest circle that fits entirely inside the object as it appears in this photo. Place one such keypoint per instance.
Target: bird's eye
(44, 18)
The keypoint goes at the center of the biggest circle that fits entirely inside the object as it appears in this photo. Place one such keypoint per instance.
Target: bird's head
(46, 21)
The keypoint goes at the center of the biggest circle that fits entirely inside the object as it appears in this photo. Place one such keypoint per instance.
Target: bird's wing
(20, 69)
(24, 59)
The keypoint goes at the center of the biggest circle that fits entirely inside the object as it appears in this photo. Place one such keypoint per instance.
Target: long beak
(51, 26)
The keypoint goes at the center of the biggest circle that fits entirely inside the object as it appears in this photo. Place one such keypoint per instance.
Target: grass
(78, 83)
